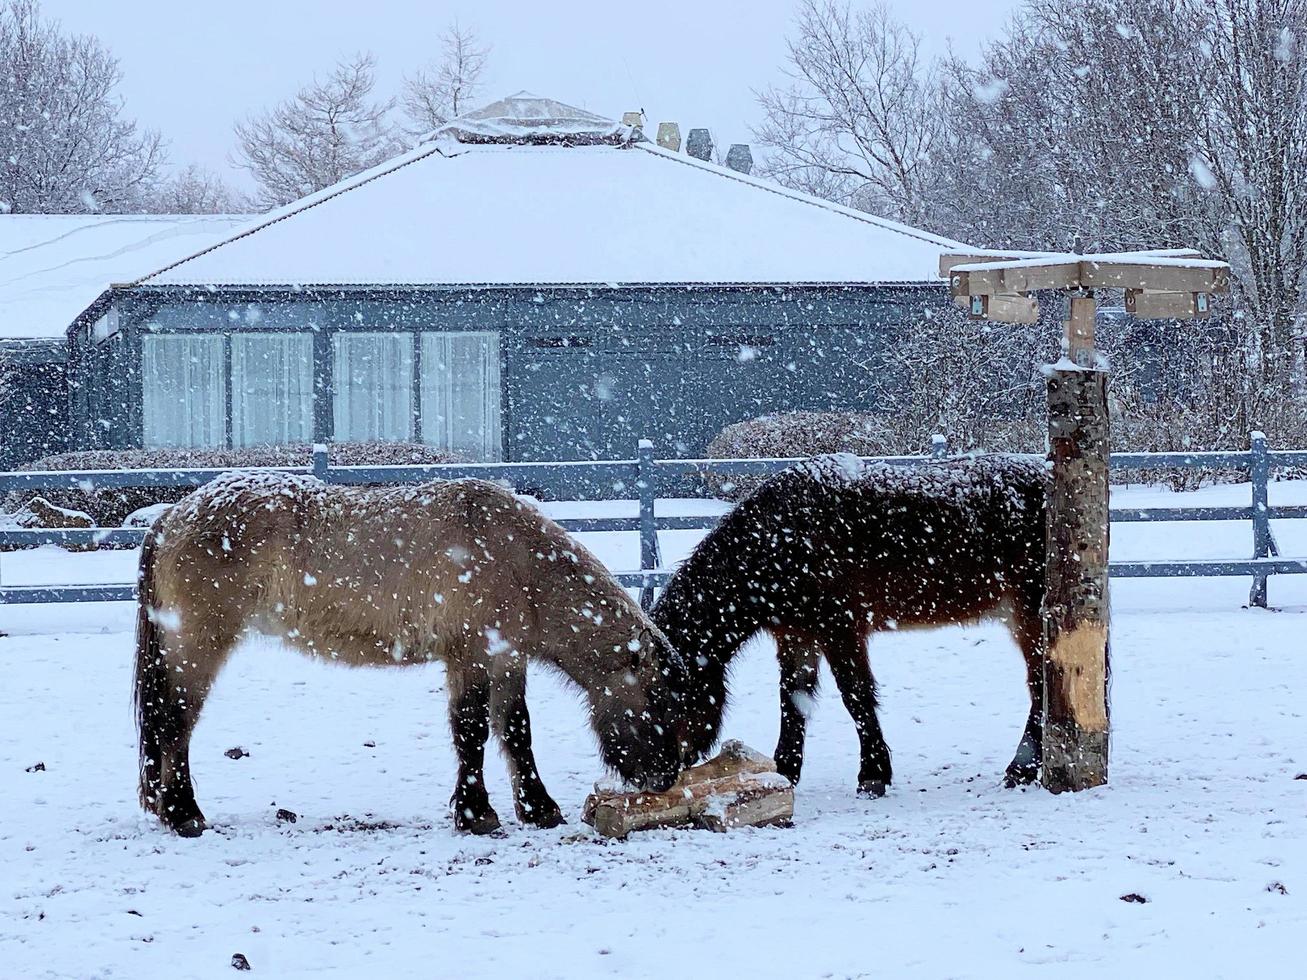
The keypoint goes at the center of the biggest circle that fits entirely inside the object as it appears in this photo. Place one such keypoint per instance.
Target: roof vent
(740, 157)
(669, 136)
(524, 118)
(699, 144)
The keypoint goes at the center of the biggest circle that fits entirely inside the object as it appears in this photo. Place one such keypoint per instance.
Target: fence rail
(644, 479)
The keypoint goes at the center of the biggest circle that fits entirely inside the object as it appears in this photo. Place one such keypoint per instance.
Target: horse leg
(511, 721)
(469, 709)
(799, 659)
(1028, 632)
(846, 653)
(169, 705)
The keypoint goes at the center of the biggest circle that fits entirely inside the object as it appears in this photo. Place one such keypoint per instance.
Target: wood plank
(949, 260)
(1158, 306)
(1160, 278)
(1011, 309)
(1079, 337)
(977, 283)
(1024, 279)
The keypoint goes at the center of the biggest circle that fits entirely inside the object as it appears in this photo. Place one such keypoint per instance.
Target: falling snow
(1203, 816)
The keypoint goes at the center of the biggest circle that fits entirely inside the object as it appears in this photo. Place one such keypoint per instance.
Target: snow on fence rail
(645, 478)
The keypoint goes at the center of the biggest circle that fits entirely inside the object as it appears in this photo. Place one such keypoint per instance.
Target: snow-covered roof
(52, 267)
(491, 209)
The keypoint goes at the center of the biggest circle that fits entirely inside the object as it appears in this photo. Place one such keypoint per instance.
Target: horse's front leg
(846, 652)
(469, 719)
(799, 660)
(512, 723)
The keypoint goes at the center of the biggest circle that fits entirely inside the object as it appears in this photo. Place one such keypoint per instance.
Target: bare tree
(327, 131)
(65, 145)
(437, 93)
(1098, 124)
(1077, 127)
(859, 118)
(194, 190)
(1253, 153)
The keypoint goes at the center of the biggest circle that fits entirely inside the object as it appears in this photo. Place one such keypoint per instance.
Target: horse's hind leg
(469, 710)
(1028, 631)
(512, 723)
(186, 671)
(799, 659)
(846, 652)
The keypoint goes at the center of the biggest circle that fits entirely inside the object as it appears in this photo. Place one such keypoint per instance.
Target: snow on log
(739, 787)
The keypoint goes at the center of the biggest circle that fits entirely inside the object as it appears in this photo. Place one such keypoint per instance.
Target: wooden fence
(645, 478)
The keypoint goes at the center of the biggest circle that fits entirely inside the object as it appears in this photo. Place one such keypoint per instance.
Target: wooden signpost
(1173, 283)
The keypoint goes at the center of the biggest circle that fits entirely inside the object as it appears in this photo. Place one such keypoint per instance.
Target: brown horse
(461, 572)
(832, 550)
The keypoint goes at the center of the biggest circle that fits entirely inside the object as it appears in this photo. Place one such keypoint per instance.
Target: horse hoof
(191, 828)
(1019, 777)
(480, 824)
(872, 789)
(543, 817)
(550, 818)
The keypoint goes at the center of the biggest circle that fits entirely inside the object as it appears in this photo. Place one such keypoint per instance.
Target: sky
(192, 69)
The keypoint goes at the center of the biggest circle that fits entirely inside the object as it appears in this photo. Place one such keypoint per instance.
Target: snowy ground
(949, 875)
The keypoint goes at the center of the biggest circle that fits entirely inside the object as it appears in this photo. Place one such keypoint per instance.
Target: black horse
(832, 550)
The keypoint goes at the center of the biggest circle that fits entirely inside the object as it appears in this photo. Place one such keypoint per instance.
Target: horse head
(639, 720)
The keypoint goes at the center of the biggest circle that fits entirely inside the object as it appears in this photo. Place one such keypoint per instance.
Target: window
(184, 381)
(373, 379)
(271, 389)
(460, 393)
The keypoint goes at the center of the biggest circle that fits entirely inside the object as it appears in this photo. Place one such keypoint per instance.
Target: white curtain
(271, 389)
(184, 385)
(374, 387)
(460, 393)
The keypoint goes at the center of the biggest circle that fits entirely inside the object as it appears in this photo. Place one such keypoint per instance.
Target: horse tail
(151, 689)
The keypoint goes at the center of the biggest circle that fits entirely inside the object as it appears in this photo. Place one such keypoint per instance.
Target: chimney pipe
(669, 136)
(699, 144)
(740, 157)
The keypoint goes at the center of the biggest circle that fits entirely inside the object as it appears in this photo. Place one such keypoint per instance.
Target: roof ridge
(304, 204)
(885, 224)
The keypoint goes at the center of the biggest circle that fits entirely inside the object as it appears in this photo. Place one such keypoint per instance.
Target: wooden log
(738, 787)
(1076, 619)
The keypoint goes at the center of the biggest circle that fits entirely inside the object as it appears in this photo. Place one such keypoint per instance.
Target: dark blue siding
(585, 372)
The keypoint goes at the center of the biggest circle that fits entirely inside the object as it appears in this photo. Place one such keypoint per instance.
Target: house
(52, 267)
(532, 281)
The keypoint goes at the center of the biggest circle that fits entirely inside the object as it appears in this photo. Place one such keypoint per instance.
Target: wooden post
(1260, 475)
(647, 485)
(1076, 614)
(321, 461)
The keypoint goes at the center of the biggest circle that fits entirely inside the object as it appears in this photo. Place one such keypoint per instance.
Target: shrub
(111, 506)
(803, 434)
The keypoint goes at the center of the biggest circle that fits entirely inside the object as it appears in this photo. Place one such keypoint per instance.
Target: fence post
(938, 446)
(647, 485)
(320, 461)
(1259, 471)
